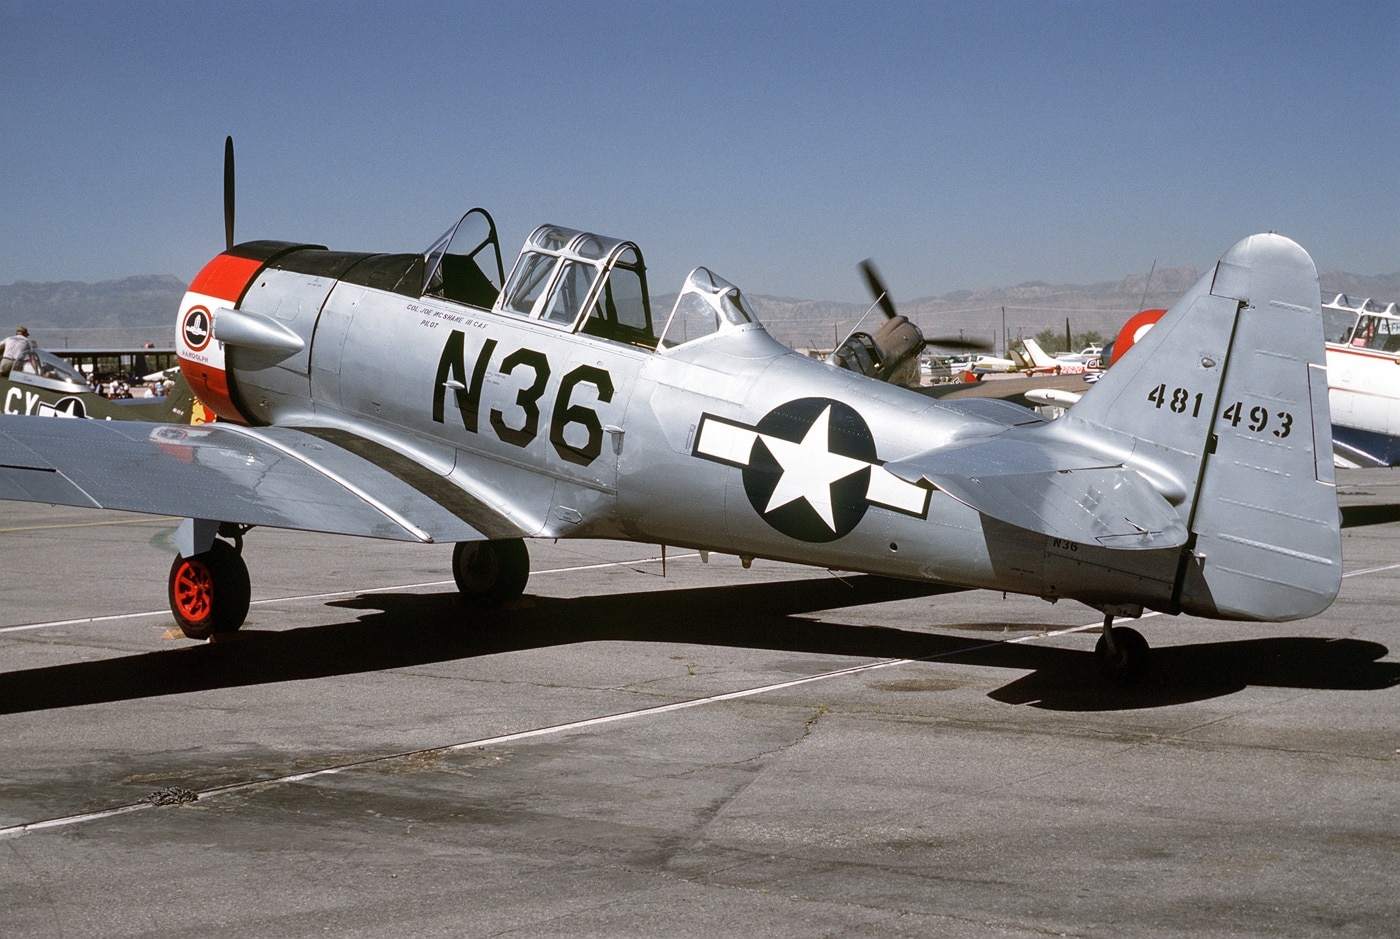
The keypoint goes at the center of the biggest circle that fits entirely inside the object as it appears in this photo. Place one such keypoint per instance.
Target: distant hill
(109, 312)
(1025, 309)
(142, 309)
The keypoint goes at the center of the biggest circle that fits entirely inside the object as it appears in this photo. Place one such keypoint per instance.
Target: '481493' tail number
(520, 428)
(1256, 418)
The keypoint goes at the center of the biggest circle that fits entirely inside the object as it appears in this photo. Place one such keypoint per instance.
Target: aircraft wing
(273, 476)
(1053, 489)
(1007, 389)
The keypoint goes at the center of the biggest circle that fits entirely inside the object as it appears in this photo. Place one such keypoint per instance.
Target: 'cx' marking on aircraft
(810, 468)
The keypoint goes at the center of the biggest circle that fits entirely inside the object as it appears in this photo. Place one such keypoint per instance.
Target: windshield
(51, 366)
(1337, 324)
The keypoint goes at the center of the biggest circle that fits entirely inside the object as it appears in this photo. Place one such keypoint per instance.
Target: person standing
(20, 349)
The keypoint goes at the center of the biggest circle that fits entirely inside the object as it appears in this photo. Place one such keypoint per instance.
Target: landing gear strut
(490, 573)
(209, 592)
(1121, 653)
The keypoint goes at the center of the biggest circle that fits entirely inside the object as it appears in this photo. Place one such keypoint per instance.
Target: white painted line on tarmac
(144, 520)
(339, 594)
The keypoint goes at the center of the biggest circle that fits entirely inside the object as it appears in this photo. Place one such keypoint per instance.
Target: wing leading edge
(275, 477)
(1051, 489)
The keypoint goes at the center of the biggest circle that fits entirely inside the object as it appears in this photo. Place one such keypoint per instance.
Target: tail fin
(1038, 356)
(1223, 407)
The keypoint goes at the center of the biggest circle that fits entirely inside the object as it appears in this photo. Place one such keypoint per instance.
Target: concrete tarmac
(774, 751)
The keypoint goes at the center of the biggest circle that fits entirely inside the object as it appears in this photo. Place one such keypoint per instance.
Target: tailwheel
(1122, 653)
(209, 592)
(490, 573)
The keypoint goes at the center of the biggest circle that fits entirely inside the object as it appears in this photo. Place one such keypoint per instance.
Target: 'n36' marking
(520, 425)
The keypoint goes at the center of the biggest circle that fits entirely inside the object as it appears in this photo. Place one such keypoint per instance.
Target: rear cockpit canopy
(581, 282)
(708, 304)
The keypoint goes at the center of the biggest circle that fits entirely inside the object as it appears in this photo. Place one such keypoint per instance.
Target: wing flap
(274, 477)
(1051, 489)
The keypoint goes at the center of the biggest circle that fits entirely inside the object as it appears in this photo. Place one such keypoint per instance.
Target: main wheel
(210, 593)
(1128, 662)
(491, 572)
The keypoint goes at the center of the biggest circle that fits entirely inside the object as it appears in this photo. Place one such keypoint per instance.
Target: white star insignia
(810, 469)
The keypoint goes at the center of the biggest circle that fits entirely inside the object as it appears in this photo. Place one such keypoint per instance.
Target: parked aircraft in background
(892, 352)
(1043, 363)
(1363, 373)
(59, 390)
(1193, 478)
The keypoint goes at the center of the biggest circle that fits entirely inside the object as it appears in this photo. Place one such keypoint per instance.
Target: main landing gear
(490, 573)
(1122, 654)
(210, 592)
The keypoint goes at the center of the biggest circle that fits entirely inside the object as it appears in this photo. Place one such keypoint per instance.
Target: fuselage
(727, 441)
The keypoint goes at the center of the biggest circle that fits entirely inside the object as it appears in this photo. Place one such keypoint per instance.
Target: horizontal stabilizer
(1051, 489)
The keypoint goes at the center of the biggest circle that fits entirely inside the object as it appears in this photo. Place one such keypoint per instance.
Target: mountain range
(142, 309)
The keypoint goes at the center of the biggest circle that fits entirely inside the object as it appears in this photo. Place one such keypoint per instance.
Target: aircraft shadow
(403, 630)
(1359, 516)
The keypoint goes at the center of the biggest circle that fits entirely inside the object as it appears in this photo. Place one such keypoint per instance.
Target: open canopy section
(465, 263)
(582, 282)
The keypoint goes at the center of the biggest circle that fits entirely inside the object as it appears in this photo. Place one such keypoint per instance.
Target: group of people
(19, 349)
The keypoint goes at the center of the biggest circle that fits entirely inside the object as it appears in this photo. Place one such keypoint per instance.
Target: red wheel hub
(194, 591)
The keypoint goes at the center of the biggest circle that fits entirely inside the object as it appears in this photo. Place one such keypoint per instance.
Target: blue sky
(962, 145)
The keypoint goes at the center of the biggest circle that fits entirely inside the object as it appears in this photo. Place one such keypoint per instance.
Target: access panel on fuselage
(295, 300)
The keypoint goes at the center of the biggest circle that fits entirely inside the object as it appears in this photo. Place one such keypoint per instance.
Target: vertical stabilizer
(1223, 407)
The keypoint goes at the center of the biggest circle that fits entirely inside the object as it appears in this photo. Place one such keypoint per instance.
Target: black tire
(1130, 663)
(209, 593)
(489, 573)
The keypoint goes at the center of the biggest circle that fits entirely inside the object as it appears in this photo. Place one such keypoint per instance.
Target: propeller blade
(1069, 343)
(878, 288)
(228, 192)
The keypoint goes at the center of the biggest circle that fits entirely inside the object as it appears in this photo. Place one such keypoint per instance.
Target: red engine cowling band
(222, 283)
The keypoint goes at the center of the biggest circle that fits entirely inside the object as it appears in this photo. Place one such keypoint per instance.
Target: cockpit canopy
(576, 281)
(708, 304)
(459, 265)
(1363, 324)
(581, 281)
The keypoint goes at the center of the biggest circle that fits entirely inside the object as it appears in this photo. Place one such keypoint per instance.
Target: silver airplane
(428, 397)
